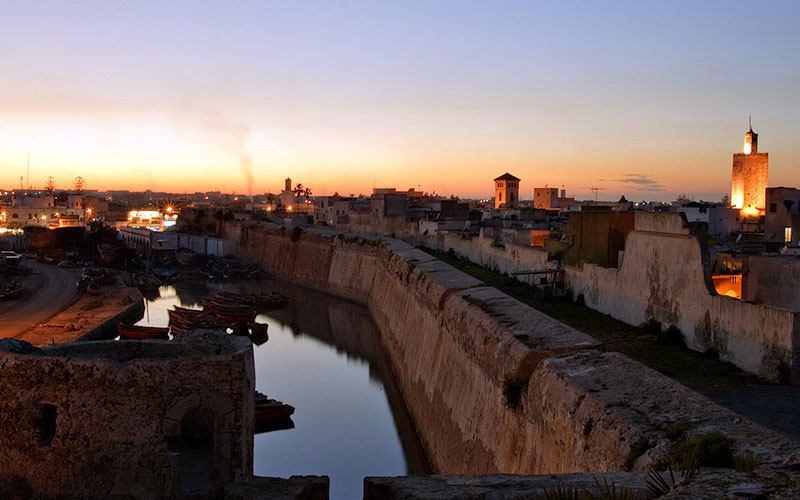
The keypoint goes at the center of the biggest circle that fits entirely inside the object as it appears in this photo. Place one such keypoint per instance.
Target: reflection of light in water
(344, 426)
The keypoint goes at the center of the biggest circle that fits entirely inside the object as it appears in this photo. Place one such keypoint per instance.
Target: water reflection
(324, 357)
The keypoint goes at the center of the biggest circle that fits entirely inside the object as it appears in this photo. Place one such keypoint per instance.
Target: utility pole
(29, 170)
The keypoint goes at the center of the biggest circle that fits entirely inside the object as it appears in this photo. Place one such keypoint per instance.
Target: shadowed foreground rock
(494, 487)
(296, 487)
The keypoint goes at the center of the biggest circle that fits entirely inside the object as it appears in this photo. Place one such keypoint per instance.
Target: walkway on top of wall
(776, 407)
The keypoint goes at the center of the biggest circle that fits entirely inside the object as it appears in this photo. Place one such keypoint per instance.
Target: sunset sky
(646, 99)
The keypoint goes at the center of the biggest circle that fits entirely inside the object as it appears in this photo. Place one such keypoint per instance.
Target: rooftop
(507, 177)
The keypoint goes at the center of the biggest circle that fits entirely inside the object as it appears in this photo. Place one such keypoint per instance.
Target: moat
(323, 357)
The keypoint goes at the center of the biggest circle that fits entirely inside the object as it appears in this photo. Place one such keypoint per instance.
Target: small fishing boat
(272, 299)
(133, 332)
(218, 303)
(269, 410)
(188, 319)
(235, 298)
(238, 317)
(259, 329)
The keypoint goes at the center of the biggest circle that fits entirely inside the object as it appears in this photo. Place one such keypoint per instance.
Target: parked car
(11, 258)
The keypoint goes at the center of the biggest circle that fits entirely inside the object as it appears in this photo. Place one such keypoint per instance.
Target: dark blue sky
(648, 99)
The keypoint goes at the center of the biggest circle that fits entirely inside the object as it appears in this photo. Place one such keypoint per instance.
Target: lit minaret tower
(749, 177)
(750, 140)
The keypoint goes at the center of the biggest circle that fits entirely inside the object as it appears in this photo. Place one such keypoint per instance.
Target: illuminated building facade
(749, 178)
(506, 191)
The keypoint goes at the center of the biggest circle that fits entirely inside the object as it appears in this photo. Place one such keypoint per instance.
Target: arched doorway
(196, 445)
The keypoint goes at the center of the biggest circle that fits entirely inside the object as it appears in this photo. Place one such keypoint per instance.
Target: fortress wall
(664, 276)
(508, 259)
(491, 384)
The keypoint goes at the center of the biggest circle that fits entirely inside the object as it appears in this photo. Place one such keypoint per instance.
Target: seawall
(491, 384)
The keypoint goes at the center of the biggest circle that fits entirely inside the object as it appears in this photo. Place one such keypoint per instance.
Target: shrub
(512, 392)
(671, 336)
(745, 462)
(709, 450)
(649, 327)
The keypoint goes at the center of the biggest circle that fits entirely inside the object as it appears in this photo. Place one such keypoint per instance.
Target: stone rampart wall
(508, 259)
(100, 417)
(665, 276)
(773, 280)
(662, 278)
(493, 385)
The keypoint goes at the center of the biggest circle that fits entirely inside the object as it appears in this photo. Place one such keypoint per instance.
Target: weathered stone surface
(665, 276)
(294, 488)
(90, 318)
(96, 419)
(460, 351)
(775, 484)
(494, 487)
(620, 404)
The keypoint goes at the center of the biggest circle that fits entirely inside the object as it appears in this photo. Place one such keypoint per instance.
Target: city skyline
(648, 101)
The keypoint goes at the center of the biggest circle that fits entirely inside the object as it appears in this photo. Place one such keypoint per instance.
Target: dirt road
(46, 294)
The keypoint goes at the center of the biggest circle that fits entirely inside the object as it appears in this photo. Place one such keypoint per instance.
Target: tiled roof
(507, 177)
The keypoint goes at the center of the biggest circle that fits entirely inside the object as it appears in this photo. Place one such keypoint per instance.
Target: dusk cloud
(640, 182)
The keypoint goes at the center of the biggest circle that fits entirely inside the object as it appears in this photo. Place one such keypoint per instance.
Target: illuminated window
(787, 234)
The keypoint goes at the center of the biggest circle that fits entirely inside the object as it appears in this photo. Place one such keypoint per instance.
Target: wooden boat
(259, 329)
(133, 332)
(269, 410)
(217, 303)
(187, 319)
(258, 337)
(184, 311)
(235, 298)
(238, 317)
(273, 299)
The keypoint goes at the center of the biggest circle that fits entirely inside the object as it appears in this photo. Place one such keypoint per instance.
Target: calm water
(324, 358)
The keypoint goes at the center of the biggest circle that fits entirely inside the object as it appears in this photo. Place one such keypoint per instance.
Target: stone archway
(196, 445)
(197, 430)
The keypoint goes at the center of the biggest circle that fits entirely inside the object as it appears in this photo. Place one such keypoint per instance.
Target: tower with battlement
(506, 191)
(749, 178)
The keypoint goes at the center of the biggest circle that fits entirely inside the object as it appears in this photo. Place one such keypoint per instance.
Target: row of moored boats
(224, 311)
(269, 410)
